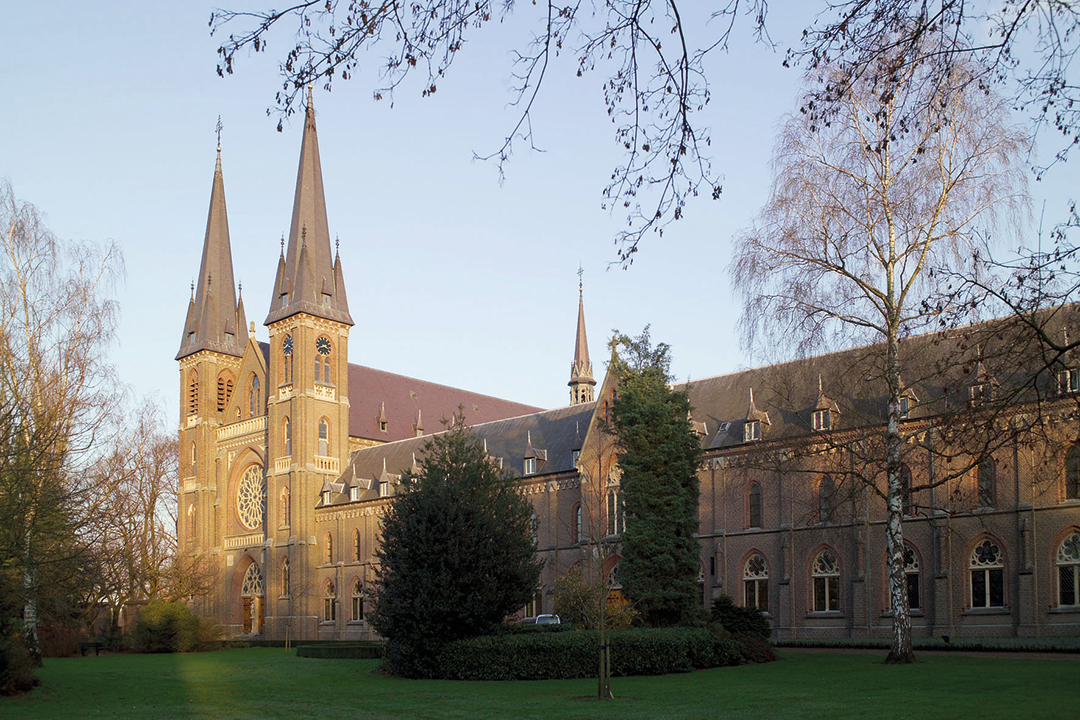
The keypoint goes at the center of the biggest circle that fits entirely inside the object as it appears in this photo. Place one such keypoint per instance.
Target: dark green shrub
(740, 620)
(567, 655)
(522, 628)
(166, 627)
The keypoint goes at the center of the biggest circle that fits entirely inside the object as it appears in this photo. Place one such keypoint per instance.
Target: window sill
(913, 612)
(987, 611)
(1065, 610)
(824, 614)
(356, 622)
(327, 623)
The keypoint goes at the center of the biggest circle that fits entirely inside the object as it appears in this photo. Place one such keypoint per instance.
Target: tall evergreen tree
(659, 455)
(457, 554)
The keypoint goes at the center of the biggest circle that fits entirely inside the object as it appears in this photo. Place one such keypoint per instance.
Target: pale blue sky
(109, 129)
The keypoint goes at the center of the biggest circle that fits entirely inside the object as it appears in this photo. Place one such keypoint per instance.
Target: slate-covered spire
(581, 377)
(308, 280)
(213, 321)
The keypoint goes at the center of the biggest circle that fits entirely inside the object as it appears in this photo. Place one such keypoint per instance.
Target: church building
(289, 455)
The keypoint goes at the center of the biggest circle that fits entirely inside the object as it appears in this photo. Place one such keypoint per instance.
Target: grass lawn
(268, 683)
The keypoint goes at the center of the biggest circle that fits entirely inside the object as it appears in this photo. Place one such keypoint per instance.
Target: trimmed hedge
(962, 644)
(362, 650)
(568, 655)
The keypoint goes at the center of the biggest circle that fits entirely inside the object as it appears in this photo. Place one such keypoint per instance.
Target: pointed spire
(581, 375)
(212, 314)
(300, 287)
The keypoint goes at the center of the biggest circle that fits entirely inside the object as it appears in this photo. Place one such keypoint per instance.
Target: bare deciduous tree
(893, 181)
(56, 392)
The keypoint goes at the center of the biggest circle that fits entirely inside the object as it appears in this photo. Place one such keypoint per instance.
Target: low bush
(525, 628)
(567, 655)
(740, 620)
(171, 627)
(364, 650)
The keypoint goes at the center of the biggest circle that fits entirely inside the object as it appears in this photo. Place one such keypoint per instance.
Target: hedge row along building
(288, 454)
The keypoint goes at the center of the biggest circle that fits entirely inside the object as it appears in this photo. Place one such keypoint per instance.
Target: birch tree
(57, 391)
(897, 175)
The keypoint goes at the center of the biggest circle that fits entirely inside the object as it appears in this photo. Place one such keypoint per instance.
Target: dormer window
(574, 455)
(978, 392)
(905, 407)
(752, 430)
(1068, 382)
(382, 426)
(822, 419)
(354, 493)
(530, 466)
(326, 497)
(384, 488)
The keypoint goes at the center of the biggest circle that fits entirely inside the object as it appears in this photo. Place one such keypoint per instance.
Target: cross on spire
(219, 126)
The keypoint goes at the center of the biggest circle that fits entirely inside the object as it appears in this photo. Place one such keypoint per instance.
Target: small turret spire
(581, 377)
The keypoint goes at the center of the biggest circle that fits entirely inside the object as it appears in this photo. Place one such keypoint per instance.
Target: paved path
(970, 653)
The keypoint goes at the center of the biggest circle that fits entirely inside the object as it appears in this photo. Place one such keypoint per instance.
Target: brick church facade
(289, 453)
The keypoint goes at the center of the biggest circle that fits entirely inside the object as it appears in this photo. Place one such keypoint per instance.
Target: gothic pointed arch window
(225, 384)
(754, 506)
(194, 458)
(286, 507)
(911, 577)
(324, 437)
(329, 602)
(1072, 473)
(286, 436)
(286, 579)
(1068, 570)
(756, 583)
(577, 523)
(193, 393)
(328, 554)
(253, 396)
(287, 360)
(905, 490)
(616, 515)
(357, 600)
(357, 546)
(534, 529)
(987, 571)
(825, 572)
(324, 351)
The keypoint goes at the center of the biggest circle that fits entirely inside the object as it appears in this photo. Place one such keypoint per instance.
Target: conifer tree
(457, 554)
(659, 455)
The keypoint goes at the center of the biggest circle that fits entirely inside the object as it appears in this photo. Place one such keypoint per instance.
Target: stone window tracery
(357, 601)
(911, 577)
(251, 497)
(329, 602)
(987, 566)
(826, 577)
(1068, 570)
(253, 582)
(756, 583)
(286, 507)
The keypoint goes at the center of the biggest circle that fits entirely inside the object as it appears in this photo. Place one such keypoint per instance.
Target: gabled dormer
(754, 421)
(826, 412)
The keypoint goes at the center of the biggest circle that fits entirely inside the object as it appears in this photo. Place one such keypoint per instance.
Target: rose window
(251, 498)
(1069, 552)
(825, 564)
(987, 554)
(755, 568)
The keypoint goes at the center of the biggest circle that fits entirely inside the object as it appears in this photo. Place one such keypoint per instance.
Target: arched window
(756, 583)
(534, 529)
(251, 497)
(356, 546)
(328, 556)
(323, 352)
(1068, 567)
(253, 582)
(987, 565)
(324, 437)
(1072, 473)
(825, 498)
(755, 506)
(911, 576)
(286, 507)
(285, 579)
(905, 490)
(253, 396)
(329, 602)
(191, 522)
(286, 436)
(193, 393)
(194, 458)
(616, 517)
(224, 390)
(985, 475)
(357, 601)
(286, 360)
(577, 524)
(826, 576)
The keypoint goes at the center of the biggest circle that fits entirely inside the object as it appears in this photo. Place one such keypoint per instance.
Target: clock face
(286, 345)
(322, 345)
